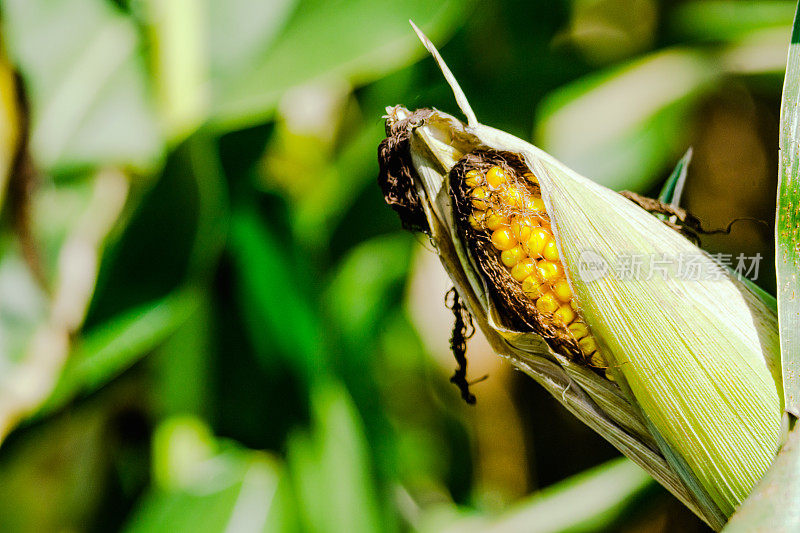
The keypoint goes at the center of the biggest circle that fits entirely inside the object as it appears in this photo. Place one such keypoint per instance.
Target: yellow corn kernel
(476, 219)
(549, 272)
(550, 251)
(522, 227)
(479, 196)
(597, 361)
(564, 314)
(533, 287)
(531, 178)
(512, 197)
(473, 178)
(523, 269)
(579, 330)
(496, 177)
(534, 205)
(503, 239)
(513, 256)
(495, 220)
(562, 291)
(535, 243)
(547, 303)
(588, 345)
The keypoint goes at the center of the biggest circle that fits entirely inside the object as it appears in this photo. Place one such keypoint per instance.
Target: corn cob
(505, 206)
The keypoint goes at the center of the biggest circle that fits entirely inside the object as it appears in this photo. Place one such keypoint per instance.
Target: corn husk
(695, 400)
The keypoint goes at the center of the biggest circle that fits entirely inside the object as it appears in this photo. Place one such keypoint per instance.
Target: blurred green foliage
(205, 312)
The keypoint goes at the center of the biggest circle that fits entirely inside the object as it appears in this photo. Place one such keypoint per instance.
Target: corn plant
(685, 375)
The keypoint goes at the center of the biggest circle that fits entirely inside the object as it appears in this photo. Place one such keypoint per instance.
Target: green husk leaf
(674, 341)
(721, 438)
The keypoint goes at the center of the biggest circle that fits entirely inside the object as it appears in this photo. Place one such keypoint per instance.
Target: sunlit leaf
(178, 30)
(49, 277)
(761, 53)
(319, 40)
(205, 485)
(729, 19)
(623, 126)
(594, 500)
(23, 305)
(109, 349)
(85, 80)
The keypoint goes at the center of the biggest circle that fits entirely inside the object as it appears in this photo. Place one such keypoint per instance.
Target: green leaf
(183, 363)
(330, 468)
(112, 347)
(772, 506)
(360, 292)
(621, 127)
(204, 485)
(354, 40)
(787, 230)
(672, 190)
(728, 20)
(595, 500)
(279, 316)
(86, 82)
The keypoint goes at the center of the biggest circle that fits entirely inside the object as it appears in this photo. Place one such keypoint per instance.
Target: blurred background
(209, 319)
